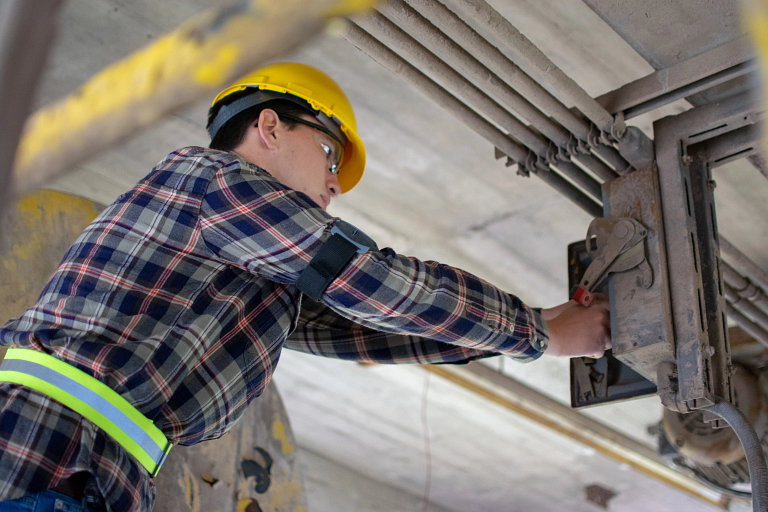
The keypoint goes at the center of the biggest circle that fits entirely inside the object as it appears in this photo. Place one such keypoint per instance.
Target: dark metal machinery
(675, 332)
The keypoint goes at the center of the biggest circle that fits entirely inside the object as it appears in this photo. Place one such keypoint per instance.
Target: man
(169, 312)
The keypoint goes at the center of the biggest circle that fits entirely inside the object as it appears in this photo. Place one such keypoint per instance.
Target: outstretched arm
(321, 331)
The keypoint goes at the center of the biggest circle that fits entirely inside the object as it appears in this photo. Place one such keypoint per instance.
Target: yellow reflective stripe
(86, 410)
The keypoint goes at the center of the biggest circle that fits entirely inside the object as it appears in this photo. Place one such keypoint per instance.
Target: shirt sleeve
(323, 332)
(251, 220)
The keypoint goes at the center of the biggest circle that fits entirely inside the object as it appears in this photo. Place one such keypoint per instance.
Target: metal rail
(399, 66)
(507, 392)
(743, 287)
(457, 57)
(397, 39)
(194, 61)
(743, 265)
(471, 54)
(543, 69)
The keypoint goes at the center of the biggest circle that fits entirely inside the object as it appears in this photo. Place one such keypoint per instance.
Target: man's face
(300, 158)
(307, 161)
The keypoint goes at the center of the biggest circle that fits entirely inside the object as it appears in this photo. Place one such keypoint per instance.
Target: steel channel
(474, 72)
(692, 88)
(678, 75)
(456, 29)
(750, 327)
(580, 177)
(743, 265)
(501, 79)
(745, 306)
(545, 69)
(741, 286)
(739, 143)
(397, 39)
(685, 277)
(594, 164)
(399, 66)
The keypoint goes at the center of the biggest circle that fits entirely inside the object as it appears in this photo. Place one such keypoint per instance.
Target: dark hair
(231, 134)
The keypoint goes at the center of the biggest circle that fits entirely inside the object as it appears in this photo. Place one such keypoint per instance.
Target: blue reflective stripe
(87, 395)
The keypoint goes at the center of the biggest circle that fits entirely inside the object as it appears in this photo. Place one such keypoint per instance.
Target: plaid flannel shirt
(180, 296)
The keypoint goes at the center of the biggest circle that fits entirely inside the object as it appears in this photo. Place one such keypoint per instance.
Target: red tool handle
(582, 296)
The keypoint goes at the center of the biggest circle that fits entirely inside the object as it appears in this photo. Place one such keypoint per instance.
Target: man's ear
(268, 126)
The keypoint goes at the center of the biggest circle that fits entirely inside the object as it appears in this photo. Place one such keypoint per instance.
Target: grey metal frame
(688, 146)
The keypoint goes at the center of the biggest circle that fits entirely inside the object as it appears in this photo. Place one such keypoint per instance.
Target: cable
(714, 485)
(758, 470)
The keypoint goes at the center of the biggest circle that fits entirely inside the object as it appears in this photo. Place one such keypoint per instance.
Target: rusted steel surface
(679, 76)
(199, 58)
(643, 337)
(252, 468)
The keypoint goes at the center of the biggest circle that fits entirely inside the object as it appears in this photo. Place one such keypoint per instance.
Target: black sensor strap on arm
(345, 241)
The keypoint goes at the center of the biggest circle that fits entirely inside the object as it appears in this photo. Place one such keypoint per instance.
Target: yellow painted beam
(519, 398)
(195, 61)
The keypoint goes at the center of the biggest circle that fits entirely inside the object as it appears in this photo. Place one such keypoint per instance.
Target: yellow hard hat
(323, 95)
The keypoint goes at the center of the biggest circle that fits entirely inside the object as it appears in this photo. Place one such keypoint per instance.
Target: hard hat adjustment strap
(258, 96)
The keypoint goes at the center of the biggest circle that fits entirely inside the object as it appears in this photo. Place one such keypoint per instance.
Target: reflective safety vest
(90, 398)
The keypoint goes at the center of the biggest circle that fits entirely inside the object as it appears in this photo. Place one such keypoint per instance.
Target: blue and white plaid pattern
(180, 296)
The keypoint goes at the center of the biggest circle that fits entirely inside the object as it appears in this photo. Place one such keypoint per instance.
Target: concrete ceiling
(433, 190)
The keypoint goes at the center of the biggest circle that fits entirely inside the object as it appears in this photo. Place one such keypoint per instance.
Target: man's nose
(332, 183)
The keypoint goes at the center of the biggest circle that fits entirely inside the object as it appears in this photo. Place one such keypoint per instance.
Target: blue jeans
(46, 501)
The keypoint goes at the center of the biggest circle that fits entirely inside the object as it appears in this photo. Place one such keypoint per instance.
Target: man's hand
(575, 330)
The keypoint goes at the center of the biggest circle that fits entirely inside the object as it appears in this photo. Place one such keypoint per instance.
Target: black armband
(345, 241)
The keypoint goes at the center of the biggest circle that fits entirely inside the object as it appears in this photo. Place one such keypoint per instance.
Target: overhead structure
(669, 305)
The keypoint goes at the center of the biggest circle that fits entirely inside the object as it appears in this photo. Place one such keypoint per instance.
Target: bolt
(687, 160)
(621, 230)
(710, 351)
(711, 185)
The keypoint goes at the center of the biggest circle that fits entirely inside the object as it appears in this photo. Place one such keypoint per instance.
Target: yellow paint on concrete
(283, 495)
(209, 73)
(278, 431)
(204, 53)
(38, 231)
(191, 488)
(243, 504)
(755, 14)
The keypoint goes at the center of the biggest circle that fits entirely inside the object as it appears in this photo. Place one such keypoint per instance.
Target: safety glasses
(333, 155)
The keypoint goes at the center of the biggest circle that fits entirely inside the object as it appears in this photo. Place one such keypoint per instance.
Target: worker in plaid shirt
(181, 295)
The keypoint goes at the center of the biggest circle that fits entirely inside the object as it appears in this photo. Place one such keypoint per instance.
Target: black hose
(758, 470)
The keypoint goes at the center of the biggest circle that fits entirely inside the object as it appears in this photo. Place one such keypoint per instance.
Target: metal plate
(614, 381)
(643, 338)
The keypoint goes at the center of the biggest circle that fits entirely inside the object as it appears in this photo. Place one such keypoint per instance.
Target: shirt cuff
(540, 335)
